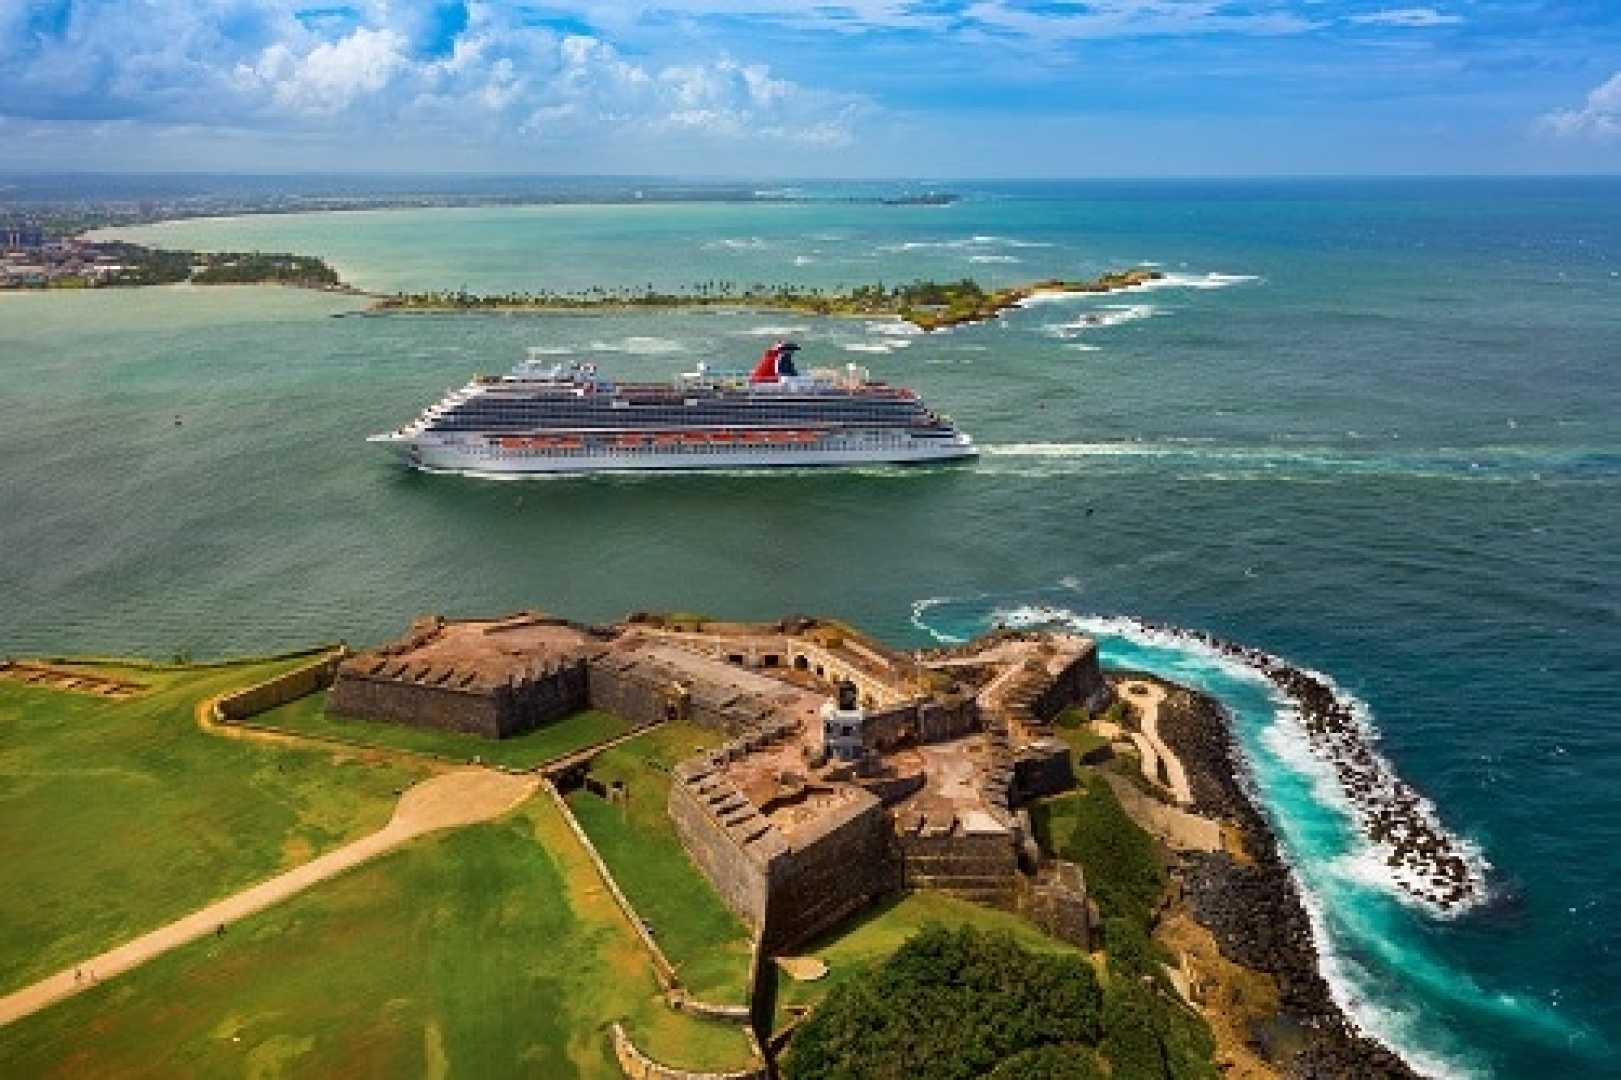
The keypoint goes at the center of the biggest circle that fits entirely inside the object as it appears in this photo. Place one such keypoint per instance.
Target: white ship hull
(478, 458)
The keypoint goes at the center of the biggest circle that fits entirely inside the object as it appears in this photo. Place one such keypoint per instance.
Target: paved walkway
(460, 797)
(1146, 697)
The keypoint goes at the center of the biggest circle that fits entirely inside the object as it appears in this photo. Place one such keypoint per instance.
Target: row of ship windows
(640, 451)
(638, 420)
(861, 408)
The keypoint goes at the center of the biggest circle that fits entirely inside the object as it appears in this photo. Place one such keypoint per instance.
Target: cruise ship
(566, 418)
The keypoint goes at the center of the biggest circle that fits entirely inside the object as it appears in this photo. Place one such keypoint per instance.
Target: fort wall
(638, 1066)
(826, 877)
(731, 842)
(978, 866)
(289, 686)
(426, 696)
(1080, 682)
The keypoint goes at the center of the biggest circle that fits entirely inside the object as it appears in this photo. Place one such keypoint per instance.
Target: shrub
(949, 1004)
(1123, 872)
(1049, 1063)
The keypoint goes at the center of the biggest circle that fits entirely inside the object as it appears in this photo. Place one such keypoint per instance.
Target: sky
(775, 88)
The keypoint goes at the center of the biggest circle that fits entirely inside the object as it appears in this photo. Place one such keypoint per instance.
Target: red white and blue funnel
(777, 362)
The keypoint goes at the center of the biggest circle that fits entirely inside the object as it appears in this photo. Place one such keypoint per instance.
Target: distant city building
(18, 237)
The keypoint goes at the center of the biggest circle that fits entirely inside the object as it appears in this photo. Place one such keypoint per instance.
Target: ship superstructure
(565, 417)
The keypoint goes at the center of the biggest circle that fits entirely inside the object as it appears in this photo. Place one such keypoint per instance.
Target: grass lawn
(1120, 860)
(120, 816)
(708, 945)
(487, 951)
(308, 716)
(867, 940)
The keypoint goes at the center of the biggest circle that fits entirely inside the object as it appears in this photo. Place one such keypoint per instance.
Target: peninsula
(928, 305)
(713, 849)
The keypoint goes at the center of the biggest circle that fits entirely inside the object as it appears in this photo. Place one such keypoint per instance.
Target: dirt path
(459, 797)
(1146, 697)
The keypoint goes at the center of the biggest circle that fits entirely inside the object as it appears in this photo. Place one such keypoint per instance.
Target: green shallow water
(1391, 453)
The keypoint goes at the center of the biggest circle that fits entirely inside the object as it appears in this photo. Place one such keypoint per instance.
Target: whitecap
(772, 331)
(736, 243)
(867, 347)
(963, 243)
(897, 328)
(639, 346)
(1178, 280)
(803, 260)
(994, 259)
(1107, 316)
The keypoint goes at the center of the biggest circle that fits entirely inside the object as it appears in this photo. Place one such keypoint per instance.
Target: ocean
(1373, 427)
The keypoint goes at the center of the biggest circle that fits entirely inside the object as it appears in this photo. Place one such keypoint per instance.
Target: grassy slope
(308, 716)
(867, 940)
(1120, 860)
(487, 951)
(121, 816)
(707, 943)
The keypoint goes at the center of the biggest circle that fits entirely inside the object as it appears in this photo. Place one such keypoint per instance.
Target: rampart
(638, 1066)
(288, 686)
(978, 865)
(788, 885)
(831, 874)
(492, 678)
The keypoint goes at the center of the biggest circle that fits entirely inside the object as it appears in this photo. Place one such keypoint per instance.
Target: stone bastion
(936, 751)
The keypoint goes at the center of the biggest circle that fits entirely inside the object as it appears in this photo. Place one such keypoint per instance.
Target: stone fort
(851, 770)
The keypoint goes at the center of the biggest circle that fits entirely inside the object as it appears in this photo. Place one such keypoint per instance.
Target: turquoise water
(1371, 427)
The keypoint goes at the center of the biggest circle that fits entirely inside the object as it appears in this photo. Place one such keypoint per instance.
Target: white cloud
(1598, 118)
(329, 76)
(502, 78)
(1410, 18)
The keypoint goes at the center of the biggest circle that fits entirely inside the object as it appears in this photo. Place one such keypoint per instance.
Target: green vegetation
(866, 941)
(1151, 1035)
(1074, 727)
(1088, 826)
(951, 1005)
(1049, 1063)
(963, 1003)
(237, 268)
(929, 305)
(117, 263)
(121, 816)
(308, 716)
(488, 951)
(708, 945)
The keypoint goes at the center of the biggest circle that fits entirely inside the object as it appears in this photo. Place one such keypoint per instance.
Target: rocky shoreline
(1426, 861)
(1254, 910)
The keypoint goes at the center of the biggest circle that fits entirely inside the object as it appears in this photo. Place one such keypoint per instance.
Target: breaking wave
(736, 243)
(773, 331)
(639, 346)
(1107, 316)
(966, 243)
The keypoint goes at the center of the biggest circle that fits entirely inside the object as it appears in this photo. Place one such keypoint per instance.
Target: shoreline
(1428, 863)
(1253, 907)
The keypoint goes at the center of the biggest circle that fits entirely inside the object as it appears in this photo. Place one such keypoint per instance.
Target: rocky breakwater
(1253, 910)
(1424, 859)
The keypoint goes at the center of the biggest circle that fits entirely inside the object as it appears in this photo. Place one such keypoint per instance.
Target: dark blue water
(1370, 426)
